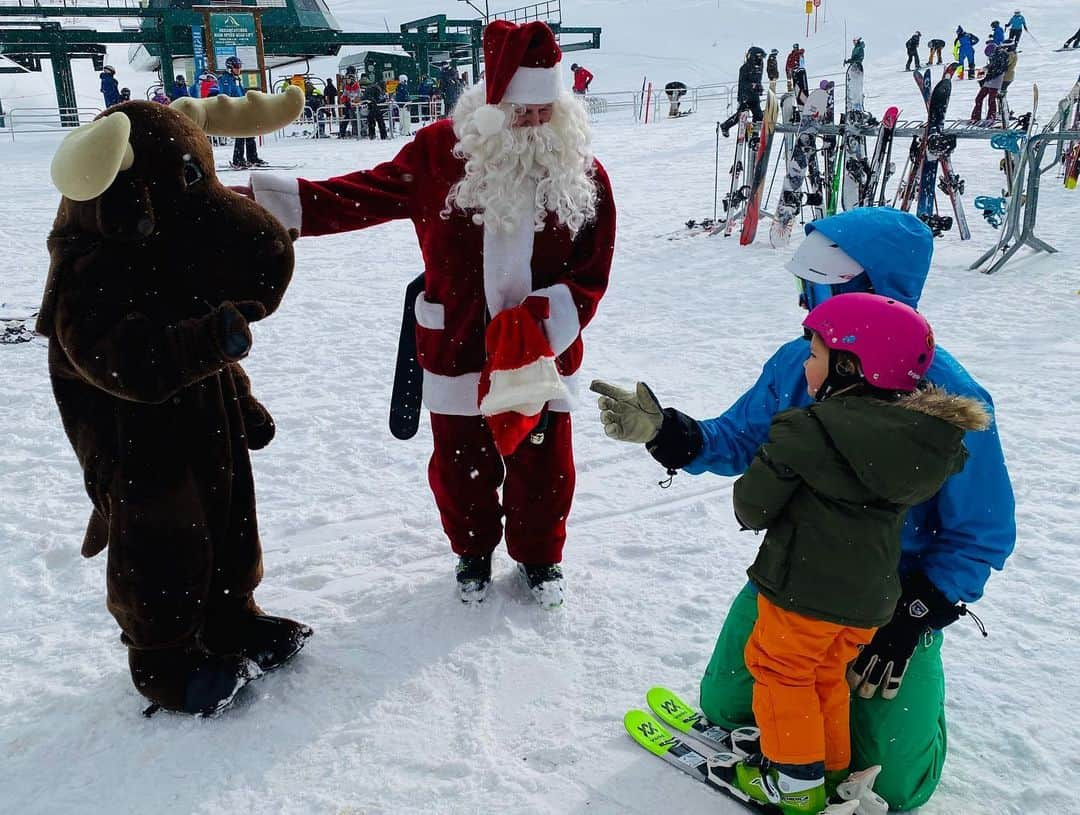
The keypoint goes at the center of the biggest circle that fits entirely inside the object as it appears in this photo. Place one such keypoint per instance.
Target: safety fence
(398, 119)
(23, 121)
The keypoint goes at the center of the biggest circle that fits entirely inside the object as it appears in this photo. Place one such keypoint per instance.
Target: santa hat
(521, 65)
(519, 376)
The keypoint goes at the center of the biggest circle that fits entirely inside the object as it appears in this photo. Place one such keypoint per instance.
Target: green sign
(234, 36)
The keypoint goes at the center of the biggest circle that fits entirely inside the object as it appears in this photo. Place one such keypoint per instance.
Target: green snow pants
(905, 735)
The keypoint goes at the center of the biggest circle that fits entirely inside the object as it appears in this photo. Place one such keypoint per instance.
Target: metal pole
(716, 169)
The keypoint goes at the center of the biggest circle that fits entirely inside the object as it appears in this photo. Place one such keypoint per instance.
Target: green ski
(674, 712)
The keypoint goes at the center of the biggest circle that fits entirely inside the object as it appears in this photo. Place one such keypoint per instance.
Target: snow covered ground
(404, 701)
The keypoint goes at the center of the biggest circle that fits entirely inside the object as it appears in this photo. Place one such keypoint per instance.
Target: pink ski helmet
(893, 343)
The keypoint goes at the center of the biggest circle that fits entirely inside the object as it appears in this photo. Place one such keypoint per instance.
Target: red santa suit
(470, 273)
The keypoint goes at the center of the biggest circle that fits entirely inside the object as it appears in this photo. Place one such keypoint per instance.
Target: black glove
(234, 337)
(258, 423)
(884, 660)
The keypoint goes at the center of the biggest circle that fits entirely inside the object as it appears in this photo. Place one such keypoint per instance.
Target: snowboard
(934, 144)
(856, 169)
(761, 168)
(798, 166)
(1072, 152)
(407, 393)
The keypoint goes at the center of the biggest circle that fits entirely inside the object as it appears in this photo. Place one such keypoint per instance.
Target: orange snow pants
(801, 696)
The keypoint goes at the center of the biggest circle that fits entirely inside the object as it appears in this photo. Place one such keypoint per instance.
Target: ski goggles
(812, 295)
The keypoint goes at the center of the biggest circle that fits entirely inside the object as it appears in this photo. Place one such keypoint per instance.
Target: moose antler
(89, 158)
(255, 114)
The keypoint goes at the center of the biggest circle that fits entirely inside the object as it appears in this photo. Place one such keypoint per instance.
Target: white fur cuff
(280, 195)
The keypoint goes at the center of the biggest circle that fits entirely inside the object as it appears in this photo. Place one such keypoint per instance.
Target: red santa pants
(537, 481)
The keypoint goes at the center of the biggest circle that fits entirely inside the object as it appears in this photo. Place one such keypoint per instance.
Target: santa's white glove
(634, 416)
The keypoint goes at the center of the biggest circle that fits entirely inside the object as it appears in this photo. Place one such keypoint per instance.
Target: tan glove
(633, 416)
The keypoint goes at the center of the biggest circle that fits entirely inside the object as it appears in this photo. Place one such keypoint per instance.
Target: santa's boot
(186, 679)
(268, 641)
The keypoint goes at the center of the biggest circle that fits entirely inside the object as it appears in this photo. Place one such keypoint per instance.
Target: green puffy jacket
(832, 486)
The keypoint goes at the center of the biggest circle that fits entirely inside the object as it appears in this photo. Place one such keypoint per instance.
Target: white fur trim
(563, 326)
(534, 86)
(429, 315)
(525, 390)
(489, 120)
(508, 259)
(456, 395)
(280, 195)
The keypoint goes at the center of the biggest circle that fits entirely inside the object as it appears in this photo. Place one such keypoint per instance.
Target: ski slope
(407, 702)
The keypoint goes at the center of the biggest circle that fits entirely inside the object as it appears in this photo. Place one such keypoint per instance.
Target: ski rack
(959, 128)
(1019, 229)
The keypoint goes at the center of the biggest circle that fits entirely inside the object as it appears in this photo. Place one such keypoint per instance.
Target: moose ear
(124, 211)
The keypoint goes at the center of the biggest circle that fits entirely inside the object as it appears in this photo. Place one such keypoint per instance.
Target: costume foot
(188, 680)
(267, 641)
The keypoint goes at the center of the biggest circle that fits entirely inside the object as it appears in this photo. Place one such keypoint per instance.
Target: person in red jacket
(794, 60)
(582, 79)
(516, 224)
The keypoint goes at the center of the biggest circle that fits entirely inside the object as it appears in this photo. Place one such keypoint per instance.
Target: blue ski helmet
(894, 249)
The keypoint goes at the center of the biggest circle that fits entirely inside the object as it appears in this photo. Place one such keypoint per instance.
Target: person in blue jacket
(997, 33)
(230, 85)
(1017, 26)
(110, 88)
(967, 42)
(179, 88)
(950, 543)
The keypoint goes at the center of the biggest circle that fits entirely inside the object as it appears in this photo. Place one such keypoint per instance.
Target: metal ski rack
(1019, 229)
(961, 129)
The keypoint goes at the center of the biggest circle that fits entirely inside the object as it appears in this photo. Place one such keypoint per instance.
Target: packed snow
(404, 700)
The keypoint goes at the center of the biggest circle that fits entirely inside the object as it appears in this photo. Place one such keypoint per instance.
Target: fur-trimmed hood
(962, 411)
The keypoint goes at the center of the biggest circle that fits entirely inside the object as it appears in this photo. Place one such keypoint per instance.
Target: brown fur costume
(141, 311)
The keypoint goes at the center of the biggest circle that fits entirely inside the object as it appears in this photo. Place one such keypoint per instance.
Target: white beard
(547, 168)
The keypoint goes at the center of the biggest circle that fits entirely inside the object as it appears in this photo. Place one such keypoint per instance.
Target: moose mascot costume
(146, 329)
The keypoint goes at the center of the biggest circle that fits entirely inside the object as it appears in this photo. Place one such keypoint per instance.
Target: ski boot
(186, 679)
(793, 789)
(267, 641)
(545, 581)
(238, 165)
(473, 578)
(258, 162)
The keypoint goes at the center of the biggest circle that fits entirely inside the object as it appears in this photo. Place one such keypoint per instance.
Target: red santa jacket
(452, 312)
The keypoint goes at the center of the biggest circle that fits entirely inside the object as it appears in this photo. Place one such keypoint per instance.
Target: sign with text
(234, 35)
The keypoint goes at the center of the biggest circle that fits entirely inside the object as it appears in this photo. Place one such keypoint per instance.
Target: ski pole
(716, 173)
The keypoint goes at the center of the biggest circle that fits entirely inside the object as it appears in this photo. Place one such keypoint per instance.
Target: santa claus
(516, 224)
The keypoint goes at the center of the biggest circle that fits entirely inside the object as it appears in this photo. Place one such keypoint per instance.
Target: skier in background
(936, 47)
(582, 79)
(794, 60)
(179, 88)
(675, 91)
(990, 85)
(771, 69)
(1017, 26)
(110, 89)
(858, 51)
(912, 46)
(997, 33)
(230, 85)
(950, 543)
(966, 43)
(1073, 41)
(749, 90)
(125, 94)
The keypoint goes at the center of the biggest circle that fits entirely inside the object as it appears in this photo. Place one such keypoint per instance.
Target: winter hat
(519, 376)
(521, 64)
